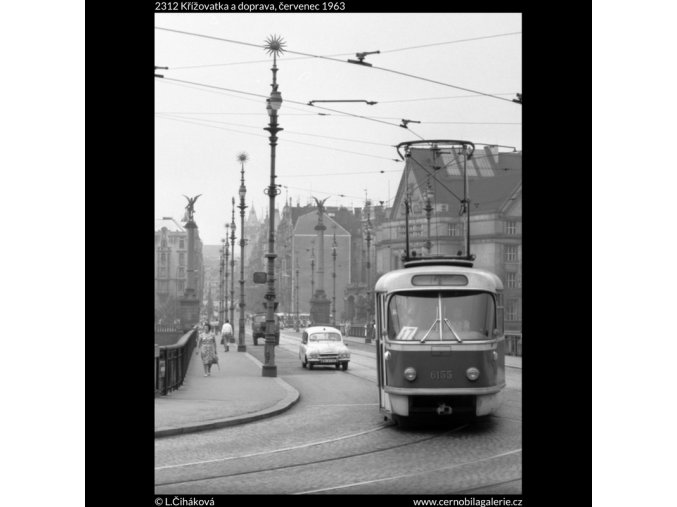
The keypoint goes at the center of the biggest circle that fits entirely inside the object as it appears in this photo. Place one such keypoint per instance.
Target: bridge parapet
(171, 362)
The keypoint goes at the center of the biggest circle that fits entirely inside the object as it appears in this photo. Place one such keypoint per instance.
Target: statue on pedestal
(188, 216)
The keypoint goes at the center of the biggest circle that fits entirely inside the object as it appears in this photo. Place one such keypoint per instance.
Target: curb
(290, 399)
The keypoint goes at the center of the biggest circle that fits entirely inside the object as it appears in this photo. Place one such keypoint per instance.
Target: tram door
(381, 332)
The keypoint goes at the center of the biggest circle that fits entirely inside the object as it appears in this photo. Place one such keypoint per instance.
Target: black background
(120, 183)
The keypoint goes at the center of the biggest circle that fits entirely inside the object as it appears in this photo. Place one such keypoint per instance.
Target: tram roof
(400, 279)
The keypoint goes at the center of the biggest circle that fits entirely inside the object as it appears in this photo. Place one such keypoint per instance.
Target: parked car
(323, 345)
(259, 328)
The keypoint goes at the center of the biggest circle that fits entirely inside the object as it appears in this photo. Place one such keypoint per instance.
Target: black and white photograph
(338, 252)
(344, 260)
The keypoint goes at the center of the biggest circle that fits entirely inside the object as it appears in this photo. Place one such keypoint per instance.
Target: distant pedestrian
(369, 330)
(226, 334)
(206, 345)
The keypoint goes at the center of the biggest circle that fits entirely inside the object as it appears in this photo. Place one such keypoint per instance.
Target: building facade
(171, 268)
(435, 181)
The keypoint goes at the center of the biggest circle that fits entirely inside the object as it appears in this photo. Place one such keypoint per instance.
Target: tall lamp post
(312, 271)
(232, 264)
(333, 276)
(428, 212)
(296, 325)
(225, 283)
(369, 295)
(221, 288)
(241, 347)
(274, 45)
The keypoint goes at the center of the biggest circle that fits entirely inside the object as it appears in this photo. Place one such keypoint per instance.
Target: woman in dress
(206, 345)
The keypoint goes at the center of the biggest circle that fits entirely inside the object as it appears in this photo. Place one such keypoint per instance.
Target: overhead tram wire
(341, 61)
(229, 113)
(265, 136)
(450, 42)
(334, 194)
(439, 82)
(472, 123)
(473, 95)
(286, 100)
(197, 86)
(287, 131)
(382, 171)
(305, 57)
(184, 67)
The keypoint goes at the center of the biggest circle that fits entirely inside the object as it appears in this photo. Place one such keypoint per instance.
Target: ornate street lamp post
(232, 264)
(274, 45)
(312, 271)
(428, 212)
(221, 288)
(296, 325)
(241, 347)
(369, 294)
(333, 275)
(225, 283)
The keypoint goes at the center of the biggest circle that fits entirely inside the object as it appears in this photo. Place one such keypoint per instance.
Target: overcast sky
(200, 131)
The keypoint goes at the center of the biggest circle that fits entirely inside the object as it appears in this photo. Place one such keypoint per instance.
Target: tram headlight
(472, 373)
(410, 374)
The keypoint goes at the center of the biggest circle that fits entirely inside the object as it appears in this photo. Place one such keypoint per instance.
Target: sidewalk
(234, 394)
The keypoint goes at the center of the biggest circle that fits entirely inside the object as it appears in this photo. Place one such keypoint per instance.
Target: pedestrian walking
(206, 345)
(226, 334)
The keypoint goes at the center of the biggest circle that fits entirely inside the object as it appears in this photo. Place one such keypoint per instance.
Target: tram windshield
(441, 316)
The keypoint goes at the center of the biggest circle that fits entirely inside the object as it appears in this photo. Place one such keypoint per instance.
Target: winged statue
(190, 207)
(320, 204)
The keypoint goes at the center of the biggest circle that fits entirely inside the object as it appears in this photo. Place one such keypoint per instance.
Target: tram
(439, 336)
(440, 342)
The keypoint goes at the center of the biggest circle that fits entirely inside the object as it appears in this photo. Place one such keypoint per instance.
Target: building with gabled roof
(495, 195)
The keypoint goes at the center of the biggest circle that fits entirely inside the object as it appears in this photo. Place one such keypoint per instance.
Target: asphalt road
(335, 441)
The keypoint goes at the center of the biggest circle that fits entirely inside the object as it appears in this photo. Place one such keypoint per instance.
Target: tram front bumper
(477, 405)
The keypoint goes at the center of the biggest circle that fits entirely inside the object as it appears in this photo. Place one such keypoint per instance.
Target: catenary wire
(341, 61)
(288, 140)
(286, 130)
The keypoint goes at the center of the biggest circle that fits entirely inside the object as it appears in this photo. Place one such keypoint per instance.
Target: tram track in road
(274, 451)
(428, 472)
(297, 464)
(494, 416)
(485, 486)
(368, 458)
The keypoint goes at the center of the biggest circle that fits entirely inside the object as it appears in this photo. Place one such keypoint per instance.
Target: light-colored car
(323, 345)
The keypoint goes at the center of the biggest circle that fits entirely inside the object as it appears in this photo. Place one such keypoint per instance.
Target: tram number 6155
(440, 374)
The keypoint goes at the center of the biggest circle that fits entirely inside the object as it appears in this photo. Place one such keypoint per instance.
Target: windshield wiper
(446, 321)
(429, 330)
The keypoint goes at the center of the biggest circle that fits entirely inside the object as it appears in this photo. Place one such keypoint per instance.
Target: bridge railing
(171, 362)
(358, 331)
(513, 344)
